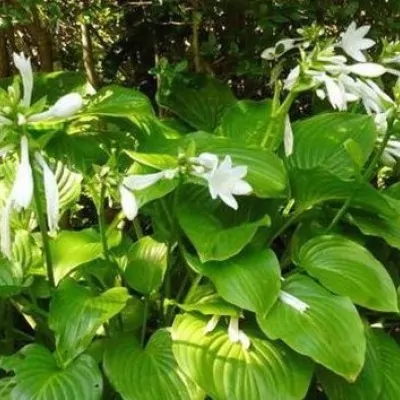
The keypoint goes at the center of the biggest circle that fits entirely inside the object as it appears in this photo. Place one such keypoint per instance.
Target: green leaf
(316, 186)
(378, 379)
(147, 374)
(348, 269)
(207, 301)
(224, 232)
(374, 225)
(226, 370)
(147, 264)
(330, 331)
(117, 101)
(247, 121)
(251, 280)
(40, 378)
(198, 100)
(6, 387)
(76, 314)
(319, 142)
(73, 248)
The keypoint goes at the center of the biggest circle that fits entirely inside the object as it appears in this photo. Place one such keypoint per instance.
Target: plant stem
(43, 228)
(364, 178)
(102, 222)
(144, 325)
(137, 228)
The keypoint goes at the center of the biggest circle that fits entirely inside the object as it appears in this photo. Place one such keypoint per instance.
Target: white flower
(288, 137)
(66, 106)
(293, 301)
(51, 194)
(280, 48)
(381, 123)
(204, 162)
(234, 333)
(5, 230)
(391, 152)
(128, 203)
(24, 67)
(353, 41)
(291, 79)
(369, 70)
(224, 181)
(139, 182)
(22, 190)
(212, 323)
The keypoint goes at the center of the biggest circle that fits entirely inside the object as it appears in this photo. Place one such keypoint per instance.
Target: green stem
(278, 113)
(43, 228)
(290, 220)
(364, 178)
(195, 284)
(102, 221)
(144, 325)
(137, 228)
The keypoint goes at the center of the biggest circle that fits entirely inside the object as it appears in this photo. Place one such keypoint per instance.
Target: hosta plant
(230, 250)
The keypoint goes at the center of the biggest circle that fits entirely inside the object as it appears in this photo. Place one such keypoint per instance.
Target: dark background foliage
(123, 40)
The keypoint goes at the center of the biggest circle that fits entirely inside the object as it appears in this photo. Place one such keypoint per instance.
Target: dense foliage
(190, 243)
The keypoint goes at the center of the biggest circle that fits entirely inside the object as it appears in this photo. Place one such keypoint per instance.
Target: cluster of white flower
(223, 180)
(21, 194)
(331, 75)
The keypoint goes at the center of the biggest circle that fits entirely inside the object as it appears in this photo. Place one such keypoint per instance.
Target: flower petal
(212, 323)
(370, 70)
(139, 182)
(128, 203)
(24, 67)
(288, 137)
(5, 230)
(242, 188)
(293, 301)
(51, 194)
(233, 330)
(22, 190)
(229, 200)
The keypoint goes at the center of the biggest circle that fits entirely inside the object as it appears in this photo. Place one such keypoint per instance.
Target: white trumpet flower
(280, 48)
(288, 137)
(293, 301)
(51, 193)
(23, 64)
(353, 41)
(139, 182)
(66, 106)
(128, 202)
(22, 190)
(212, 323)
(223, 179)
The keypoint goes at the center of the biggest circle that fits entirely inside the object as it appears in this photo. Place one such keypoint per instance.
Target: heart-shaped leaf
(76, 314)
(224, 232)
(147, 263)
(38, 377)
(147, 374)
(330, 331)
(348, 269)
(226, 370)
(379, 379)
(251, 280)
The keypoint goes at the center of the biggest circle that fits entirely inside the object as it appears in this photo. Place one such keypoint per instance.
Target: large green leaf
(348, 269)
(379, 379)
(76, 314)
(73, 248)
(330, 331)
(147, 374)
(117, 101)
(147, 264)
(312, 187)
(374, 225)
(39, 377)
(69, 185)
(226, 370)
(217, 233)
(198, 100)
(319, 141)
(251, 280)
(247, 121)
